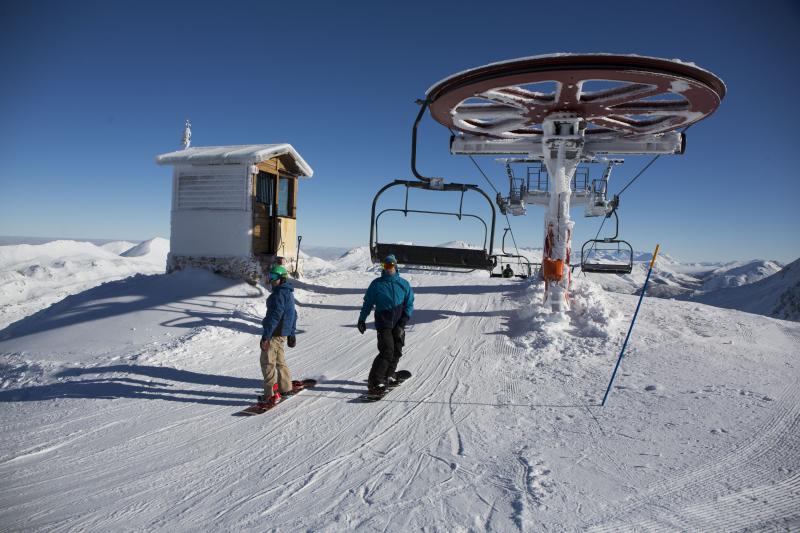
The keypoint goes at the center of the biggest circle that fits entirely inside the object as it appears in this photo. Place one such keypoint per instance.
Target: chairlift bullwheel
(615, 94)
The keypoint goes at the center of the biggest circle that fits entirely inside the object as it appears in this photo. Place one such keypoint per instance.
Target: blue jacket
(281, 316)
(392, 298)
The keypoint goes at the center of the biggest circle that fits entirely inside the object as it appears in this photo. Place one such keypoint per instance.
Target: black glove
(291, 341)
(402, 322)
(362, 327)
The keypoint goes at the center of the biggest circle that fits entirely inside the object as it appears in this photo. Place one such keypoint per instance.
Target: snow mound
(16, 372)
(154, 250)
(117, 247)
(357, 259)
(592, 321)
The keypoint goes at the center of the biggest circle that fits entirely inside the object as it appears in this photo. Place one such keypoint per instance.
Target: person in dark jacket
(279, 329)
(393, 300)
(507, 272)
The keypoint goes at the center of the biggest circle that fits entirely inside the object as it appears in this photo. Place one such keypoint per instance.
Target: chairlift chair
(608, 244)
(463, 259)
(521, 260)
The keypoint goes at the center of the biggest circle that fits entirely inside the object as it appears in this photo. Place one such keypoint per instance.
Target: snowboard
(399, 377)
(262, 407)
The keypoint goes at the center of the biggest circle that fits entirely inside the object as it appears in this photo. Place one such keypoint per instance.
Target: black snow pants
(390, 350)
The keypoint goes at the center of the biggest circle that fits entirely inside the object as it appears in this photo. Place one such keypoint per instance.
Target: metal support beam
(562, 148)
(665, 143)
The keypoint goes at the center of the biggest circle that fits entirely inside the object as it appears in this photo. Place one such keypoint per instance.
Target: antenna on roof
(187, 134)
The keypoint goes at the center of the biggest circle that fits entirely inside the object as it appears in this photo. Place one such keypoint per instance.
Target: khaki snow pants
(274, 368)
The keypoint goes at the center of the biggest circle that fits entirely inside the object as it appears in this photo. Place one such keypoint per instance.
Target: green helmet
(278, 271)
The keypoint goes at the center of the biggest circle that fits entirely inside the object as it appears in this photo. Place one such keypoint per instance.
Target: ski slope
(117, 402)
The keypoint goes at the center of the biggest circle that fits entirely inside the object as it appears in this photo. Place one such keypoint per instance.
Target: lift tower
(565, 109)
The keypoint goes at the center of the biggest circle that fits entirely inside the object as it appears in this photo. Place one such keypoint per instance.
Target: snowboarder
(507, 272)
(393, 300)
(279, 329)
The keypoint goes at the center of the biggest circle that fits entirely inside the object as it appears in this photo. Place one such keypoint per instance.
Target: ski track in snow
(492, 432)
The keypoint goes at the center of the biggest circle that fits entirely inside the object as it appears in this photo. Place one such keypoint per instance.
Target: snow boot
(377, 390)
(271, 400)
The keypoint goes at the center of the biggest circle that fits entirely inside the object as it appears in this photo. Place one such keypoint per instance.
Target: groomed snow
(116, 413)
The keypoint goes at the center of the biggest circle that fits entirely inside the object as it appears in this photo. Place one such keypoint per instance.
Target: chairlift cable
(646, 166)
(653, 160)
(639, 174)
(625, 187)
(513, 239)
(508, 220)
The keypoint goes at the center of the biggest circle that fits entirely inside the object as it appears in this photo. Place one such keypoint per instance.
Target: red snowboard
(262, 407)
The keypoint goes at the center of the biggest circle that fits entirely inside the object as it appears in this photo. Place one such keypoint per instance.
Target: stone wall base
(246, 268)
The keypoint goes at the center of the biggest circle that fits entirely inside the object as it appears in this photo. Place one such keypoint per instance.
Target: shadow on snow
(185, 295)
(160, 387)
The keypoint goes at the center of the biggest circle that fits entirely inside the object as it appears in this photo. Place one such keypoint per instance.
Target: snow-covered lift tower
(565, 109)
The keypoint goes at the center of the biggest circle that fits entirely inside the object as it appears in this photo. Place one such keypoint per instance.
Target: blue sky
(91, 92)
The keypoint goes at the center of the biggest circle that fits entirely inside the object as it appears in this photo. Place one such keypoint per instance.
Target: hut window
(264, 194)
(284, 197)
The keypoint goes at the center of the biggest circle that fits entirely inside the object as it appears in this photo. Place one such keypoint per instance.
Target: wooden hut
(234, 208)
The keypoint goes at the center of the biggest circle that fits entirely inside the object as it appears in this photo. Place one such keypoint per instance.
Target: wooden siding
(287, 246)
(274, 235)
(262, 230)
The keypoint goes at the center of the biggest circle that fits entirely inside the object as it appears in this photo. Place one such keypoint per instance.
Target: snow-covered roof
(245, 153)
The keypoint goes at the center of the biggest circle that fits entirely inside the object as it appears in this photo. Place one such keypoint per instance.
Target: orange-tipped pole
(624, 344)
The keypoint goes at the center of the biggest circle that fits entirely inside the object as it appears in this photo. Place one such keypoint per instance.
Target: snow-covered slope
(777, 296)
(117, 247)
(35, 276)
(357, 259)
(153, 251)
(324, 252)
(314, 266)
(675, 279)
(117, 403)
(739, 273)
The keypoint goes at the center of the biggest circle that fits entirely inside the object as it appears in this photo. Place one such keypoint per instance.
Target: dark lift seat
(432, 256)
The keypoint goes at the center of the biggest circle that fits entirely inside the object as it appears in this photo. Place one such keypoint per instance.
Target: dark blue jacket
(281, 316)
(392, 298)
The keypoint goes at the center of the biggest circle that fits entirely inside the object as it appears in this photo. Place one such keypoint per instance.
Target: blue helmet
(390, 260)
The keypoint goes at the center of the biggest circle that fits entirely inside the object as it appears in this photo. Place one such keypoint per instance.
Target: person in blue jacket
(279, 329)
(393, 300)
